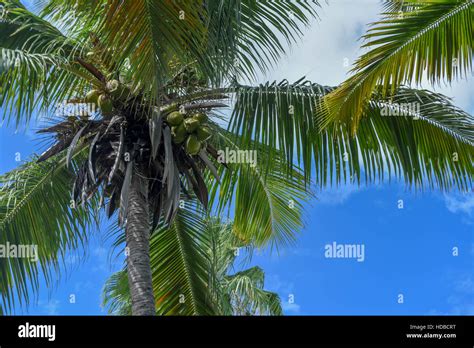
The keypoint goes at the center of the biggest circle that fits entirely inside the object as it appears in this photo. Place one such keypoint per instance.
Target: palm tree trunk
(138, 247)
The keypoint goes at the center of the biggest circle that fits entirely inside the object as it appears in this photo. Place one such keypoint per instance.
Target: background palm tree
(213, 289)
(188, 56)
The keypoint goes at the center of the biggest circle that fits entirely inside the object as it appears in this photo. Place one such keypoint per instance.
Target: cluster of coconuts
(114, 90)
(190, 129)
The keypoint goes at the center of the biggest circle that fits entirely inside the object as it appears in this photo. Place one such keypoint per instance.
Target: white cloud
(101, 262)
(461, 299)
(461, 204)
(273, 282)
(293, 308)
(337, 195)
(465, 285)
(334, 40)
(286, 292)
(327, 43)
(51, 307)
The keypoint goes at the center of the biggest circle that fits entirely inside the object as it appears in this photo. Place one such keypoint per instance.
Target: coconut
(178, 133)
(203, 133)
(201, 117)
(117, 90)
(105, 104)
(191, 124)
(193, 145)
(92, 96)
(175, 118)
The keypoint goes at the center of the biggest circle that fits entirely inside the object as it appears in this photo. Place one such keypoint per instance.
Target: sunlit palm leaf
(244, 35)
(279, 115)
(146, 34)
(39, 64)
(266, 200)
(418, 148)
(434, 41)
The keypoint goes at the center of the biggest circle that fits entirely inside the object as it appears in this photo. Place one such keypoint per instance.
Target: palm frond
(223, 293)
(416, 135)
(116, 294)
(246, 35)
(248, 296)
(179, 263)
(267, 202)
(38, 64)
(144, 34)
(427, 143)
(26, 194)
(435, 41)
(279, 115)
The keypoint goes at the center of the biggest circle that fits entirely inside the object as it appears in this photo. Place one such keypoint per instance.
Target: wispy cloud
(461, 204)
(51, 307)
(286, 292)
(461, 300)
(101, 261)
(292, 308)
(337, 195)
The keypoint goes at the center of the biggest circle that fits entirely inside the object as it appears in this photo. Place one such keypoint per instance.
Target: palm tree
(144, 62)
(213, 291)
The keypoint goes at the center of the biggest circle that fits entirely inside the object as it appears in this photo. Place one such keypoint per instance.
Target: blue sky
(408, 251)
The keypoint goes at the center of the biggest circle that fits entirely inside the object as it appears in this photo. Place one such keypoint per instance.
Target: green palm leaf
(433, 147)
(215, 288)
(35, 209)
(40, 66)
(435, 41)
(116, 294)
(179, 266)
(280, 116)
(266, 200)
(146, 34)
(430, 146)
(246, 35)
(248, 296)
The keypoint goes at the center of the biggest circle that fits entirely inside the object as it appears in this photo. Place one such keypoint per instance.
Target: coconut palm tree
(221, 292)
(154, 68)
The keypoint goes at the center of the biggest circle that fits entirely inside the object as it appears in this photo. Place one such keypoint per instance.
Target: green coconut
(203, 133)
(117, 90)
(105, 104)
(193, 145)
(92, 96)
(191, 124)
(178, 133)
(201, 117)
(175, 118)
